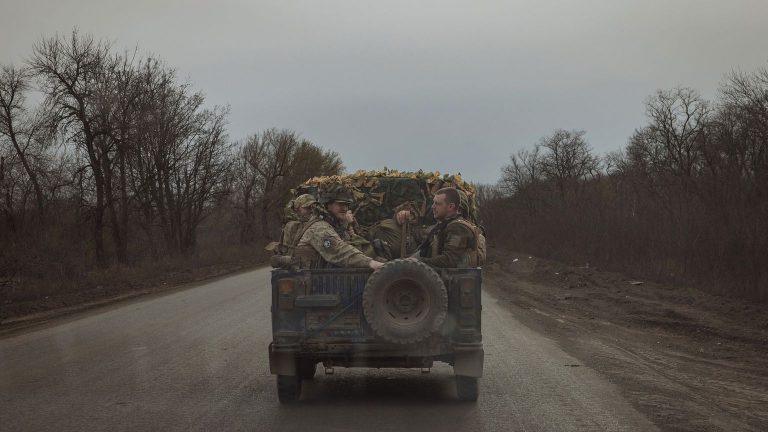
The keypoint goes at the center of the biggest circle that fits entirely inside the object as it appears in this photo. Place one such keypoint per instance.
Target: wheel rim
(406, 303)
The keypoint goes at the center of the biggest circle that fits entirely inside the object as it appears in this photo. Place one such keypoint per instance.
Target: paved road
(197, 360)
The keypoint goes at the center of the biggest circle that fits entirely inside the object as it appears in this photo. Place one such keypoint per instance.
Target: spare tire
(405, 301)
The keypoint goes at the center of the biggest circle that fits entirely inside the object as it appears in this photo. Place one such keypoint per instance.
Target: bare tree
(523, 171)
(71, 71)
(25, 132)
(202, 165)
(120, 146)
(568, 159)
(245, 178)
(179, 156)
(271, 156)
(744, 116)
(677, 132)
(309, 160)
(274, 162)
(118, 106)
(161, 105)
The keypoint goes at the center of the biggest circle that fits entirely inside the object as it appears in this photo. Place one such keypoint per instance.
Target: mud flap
(282, 361)
(468, 361)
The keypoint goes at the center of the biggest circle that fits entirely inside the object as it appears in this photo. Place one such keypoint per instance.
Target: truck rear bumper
(466, 358)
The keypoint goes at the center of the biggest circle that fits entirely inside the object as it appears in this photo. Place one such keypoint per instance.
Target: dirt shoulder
(689, 360)
(116, 285)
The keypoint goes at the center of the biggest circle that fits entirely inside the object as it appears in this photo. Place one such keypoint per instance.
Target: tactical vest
(306, 255)
(475, 256)
(288, 239)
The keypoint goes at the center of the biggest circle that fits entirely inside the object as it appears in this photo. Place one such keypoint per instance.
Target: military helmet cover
(336, 192)
(304, 200)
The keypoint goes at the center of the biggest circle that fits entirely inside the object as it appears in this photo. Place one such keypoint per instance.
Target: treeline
(685, 201)
(107, 158)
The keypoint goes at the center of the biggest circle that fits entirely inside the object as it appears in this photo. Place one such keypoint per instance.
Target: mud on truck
(405, 315)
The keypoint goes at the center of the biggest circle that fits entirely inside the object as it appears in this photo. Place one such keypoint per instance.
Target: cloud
(435, 84)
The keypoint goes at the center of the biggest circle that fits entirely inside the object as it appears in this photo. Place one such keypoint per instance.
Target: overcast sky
(439, 85)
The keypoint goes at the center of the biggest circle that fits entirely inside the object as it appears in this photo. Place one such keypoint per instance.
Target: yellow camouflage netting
(378, 194)
(362, 177)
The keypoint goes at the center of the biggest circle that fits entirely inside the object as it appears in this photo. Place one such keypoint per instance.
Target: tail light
(286, 294)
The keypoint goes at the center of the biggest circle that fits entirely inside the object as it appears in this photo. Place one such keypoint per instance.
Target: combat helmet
(303, 200)
(336, 192)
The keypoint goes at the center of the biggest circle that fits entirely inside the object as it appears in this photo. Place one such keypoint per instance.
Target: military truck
(405, 315)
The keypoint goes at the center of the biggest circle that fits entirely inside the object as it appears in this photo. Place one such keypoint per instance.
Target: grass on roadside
(65, 286)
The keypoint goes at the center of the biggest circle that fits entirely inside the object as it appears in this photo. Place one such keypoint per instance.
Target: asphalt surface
(197, 360)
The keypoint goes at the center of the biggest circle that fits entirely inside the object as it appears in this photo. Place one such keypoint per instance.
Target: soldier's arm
(458, 240)
(336, 251)
(288, 236)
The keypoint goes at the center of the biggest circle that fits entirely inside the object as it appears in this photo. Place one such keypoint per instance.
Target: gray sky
(439, 85)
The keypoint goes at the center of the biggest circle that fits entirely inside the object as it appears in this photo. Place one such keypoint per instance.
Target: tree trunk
(122, 251)
(98, 220)
(40, 201)
(109, 195)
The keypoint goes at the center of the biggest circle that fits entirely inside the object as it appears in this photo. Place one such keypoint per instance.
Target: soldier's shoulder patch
(327, 243)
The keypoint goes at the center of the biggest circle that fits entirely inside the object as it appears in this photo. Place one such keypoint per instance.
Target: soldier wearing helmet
(336, 201)
(302, 208)
(319, 242)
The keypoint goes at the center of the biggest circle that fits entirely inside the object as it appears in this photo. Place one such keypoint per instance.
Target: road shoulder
(76, 305)
(688, 360)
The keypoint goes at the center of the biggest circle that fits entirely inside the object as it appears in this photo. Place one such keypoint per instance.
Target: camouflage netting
(379, 194)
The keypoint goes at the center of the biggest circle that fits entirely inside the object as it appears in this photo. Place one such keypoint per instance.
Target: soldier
(319, 241)
(453, 242)
(303, 208)
(400, 235)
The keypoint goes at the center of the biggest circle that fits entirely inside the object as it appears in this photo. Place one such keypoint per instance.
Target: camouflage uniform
(321, 242)
(452, 243)
(467, 214)
(320, 245)
(294, 227)
(348, 231)
(288, 238)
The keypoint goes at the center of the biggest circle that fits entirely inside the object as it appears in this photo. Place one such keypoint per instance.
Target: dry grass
(66, 286)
